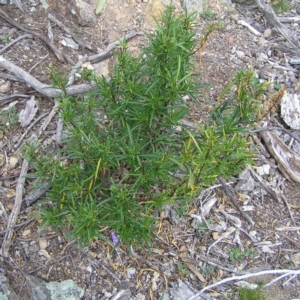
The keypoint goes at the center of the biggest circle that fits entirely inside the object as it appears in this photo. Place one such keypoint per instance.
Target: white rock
(263, 170)
(240, 54)
(130, 272)
(267, 33)
(245, 284)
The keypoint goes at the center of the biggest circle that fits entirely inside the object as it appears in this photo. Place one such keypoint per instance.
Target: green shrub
(248, 294)
(122, 158)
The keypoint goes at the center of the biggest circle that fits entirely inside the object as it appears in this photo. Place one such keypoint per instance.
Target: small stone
(89, 269)
(263, 170)
(268, 33)
(102, 68)
(130, 272)
(43, 244)
(295, 258)
(5, 86)
(261, 41)
(33, 248)
(277, 53)
(234, 18)
(262, 57)
(240, 54)
(12, 162)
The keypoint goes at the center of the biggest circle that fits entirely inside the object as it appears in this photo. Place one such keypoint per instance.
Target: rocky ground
(208, 240)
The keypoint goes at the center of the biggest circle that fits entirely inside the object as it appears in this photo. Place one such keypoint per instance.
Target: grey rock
(234, 17)
(65, 290)
(3, 1)
(87, 15)
(240, 54)
(44, 4)
(6, 291)
(278, 53)
(267, 33)
(246, 182)
(33, 248)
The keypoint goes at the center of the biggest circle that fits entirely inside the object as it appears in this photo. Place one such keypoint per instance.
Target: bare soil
(99, 270)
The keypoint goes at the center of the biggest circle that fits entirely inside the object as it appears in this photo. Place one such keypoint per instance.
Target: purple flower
(114, 238)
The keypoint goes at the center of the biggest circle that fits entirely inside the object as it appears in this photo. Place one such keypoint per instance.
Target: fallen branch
(209, 287)
(273, 20)
(15, 41)
(16, 209)
(40, 87)
(56, 51)
(37, 193)
(53, 92)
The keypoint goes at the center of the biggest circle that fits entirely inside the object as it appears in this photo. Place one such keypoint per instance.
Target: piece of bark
(288, 160)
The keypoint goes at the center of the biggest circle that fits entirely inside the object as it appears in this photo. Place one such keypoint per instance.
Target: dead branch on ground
(53, 92)
(56, 51)
(273, 20)
(15, 212)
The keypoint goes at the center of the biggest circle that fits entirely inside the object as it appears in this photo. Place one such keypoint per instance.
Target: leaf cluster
(121, 158)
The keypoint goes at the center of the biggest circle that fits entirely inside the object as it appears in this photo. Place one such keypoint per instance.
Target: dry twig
(234, 201)
(14, 41)
(15, 212)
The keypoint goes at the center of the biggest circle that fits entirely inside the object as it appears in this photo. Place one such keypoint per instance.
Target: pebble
(5, 86)
(234, 17)
(277, 53)
(261, 41)
(34, 248)
(263, 57)
(268, 33)
(240, 54)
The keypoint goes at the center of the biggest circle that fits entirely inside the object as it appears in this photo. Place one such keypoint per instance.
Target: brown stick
(234, 201)
(56, 51)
